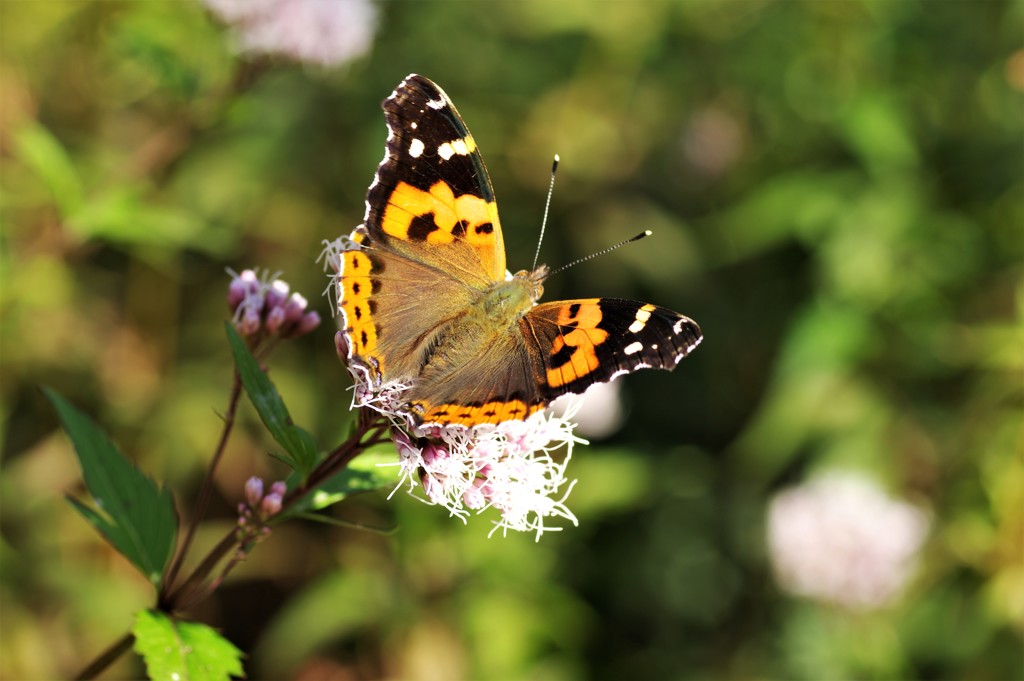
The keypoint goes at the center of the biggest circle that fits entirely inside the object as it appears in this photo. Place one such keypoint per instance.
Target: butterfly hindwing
(581, 342)
(432, 199)
(499, 383)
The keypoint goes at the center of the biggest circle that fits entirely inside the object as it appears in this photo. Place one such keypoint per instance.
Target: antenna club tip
(557, 159)
(648, 232)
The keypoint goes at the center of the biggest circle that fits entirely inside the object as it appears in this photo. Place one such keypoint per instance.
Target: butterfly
(426, 299)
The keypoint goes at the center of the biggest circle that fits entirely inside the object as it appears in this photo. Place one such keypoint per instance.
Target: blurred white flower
(839, 538)
(325, 32)
(598, 411)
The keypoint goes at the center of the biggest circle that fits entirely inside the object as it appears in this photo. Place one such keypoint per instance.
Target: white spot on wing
(642, 315)
(415, 148)
(445, 151)
(436, 104)
(460, 147)
(633, 348)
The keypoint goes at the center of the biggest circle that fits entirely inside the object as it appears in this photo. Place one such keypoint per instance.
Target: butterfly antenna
(547, 205)
(642, 235)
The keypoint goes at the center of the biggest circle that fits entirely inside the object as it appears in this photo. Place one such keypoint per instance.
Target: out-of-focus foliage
(837, 196)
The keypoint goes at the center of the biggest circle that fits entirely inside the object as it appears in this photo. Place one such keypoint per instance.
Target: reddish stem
(107, 657)
(207, 488)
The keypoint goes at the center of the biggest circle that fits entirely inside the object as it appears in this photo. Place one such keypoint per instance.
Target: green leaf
(184, 651)
(127, 214)
(41, 151)
(135, 515)
(264, 396)
(374, 469)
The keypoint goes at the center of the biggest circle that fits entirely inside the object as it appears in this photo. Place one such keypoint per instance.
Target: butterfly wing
(392, 305)
(576, 343)
(430, 241)
(498, 384)
(432, 199)
(557, 348)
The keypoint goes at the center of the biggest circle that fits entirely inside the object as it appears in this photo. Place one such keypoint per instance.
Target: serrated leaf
(175, 650)
(374, 469)
(264, 396)
(135, 515)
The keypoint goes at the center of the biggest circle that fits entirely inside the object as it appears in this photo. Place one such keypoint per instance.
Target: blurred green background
(837, 197)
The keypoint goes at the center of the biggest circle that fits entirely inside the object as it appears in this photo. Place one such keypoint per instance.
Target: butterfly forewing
(432, 198)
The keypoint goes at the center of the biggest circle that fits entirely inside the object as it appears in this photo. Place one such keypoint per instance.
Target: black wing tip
(688, 332)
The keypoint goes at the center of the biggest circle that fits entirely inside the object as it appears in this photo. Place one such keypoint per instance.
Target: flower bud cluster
(258, 508)
(261, 305)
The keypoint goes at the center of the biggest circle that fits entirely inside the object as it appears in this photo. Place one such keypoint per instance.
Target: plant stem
(107, 657)
(207, 488)
(172, 601)
(341, 456)
(193, 589)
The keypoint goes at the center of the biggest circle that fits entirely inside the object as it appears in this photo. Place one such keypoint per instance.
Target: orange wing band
(468, 216)
(357, 287)
(490, 412)
(574, 354)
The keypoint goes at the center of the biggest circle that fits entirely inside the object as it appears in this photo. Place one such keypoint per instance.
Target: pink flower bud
(249, 324)
(433, 488)
(277, 293)
(270, 506)
(275, 319)
(309, 321)
(295, 308)
(253, 491)
(433, 454)
(251, 279)
(279, 488)
(341, 346)
(474, 496)
(407, 451)
(236, 293)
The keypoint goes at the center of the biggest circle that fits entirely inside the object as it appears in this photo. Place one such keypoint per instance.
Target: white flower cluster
(507, 466)
(840, 539)
(324, 32)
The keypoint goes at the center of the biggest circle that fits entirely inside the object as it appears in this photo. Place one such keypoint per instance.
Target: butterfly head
(509, 300)
(535, 280)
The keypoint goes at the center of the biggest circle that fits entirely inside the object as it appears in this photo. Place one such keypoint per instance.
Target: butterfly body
(426, 300)
(485, 321)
